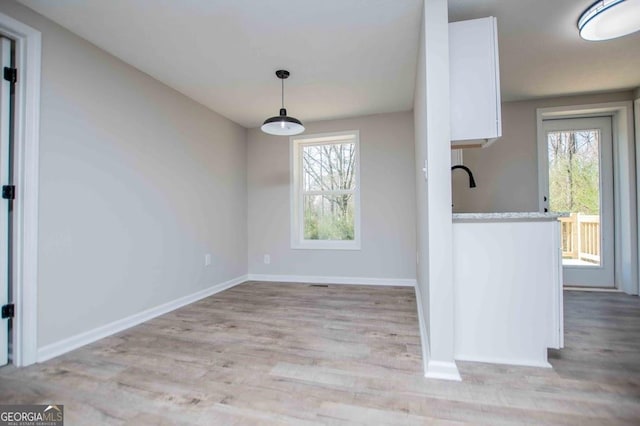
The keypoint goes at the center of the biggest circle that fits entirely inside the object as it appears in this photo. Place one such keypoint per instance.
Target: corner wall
(137, 183)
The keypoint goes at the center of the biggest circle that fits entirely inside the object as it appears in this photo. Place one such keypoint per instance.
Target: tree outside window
(326, 201)
(574, 171)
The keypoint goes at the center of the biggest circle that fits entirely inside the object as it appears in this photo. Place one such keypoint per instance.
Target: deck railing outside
(581, 237)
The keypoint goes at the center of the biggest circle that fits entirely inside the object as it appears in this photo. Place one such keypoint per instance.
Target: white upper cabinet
(474, 83)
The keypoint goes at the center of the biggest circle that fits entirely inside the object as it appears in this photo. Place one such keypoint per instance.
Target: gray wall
(137, 183)
(387, 203)
(507, 171)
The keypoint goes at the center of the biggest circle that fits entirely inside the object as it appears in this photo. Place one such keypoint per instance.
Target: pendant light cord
(282, 93)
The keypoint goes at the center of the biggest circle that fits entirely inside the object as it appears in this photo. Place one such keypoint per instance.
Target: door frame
(624, 181)
(28, 42)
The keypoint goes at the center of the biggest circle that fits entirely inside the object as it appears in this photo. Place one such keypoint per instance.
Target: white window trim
(297, 232)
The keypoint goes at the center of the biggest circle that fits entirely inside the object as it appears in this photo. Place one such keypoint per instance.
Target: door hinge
(11, 74)
(8, 311)
(9, 192)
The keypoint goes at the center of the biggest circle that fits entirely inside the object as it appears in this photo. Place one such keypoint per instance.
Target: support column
(433, 171)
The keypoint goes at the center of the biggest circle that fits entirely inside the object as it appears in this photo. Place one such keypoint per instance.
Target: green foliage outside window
(336, 224)
(574, 171)
(329, 173)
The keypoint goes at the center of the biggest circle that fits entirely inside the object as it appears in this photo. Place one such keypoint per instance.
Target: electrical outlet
(267, 259)
(207, 259)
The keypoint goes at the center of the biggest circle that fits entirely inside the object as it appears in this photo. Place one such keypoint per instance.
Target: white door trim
(624, 181)
(26, 154)
(5, 179)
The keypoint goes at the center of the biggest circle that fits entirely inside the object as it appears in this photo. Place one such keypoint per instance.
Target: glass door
(579, 181)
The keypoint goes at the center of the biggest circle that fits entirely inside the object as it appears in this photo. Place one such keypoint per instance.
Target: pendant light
(608, 19)
(282, 125)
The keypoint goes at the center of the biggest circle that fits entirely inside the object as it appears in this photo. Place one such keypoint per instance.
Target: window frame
(297, 191)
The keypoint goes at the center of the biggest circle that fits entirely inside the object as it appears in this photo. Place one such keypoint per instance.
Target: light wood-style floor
(299, 354)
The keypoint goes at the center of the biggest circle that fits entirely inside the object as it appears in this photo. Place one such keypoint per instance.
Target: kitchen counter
(506, 217)
(507, 275)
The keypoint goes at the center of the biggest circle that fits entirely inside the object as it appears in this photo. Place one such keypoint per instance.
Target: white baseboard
(433, 369)
(442, 370)
(313, 279)
(592, 289)
(58, 348)
(505, 361)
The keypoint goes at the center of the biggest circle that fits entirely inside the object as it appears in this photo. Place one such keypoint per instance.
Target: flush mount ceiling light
(607, 19)
(282, 125)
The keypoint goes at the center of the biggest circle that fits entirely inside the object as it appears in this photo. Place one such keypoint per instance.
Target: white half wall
(387, 204)
(137, 183)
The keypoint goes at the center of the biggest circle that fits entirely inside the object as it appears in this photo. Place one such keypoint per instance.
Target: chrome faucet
(472, 181)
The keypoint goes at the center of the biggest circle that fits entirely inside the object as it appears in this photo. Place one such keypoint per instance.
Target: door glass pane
(574, 187)
(328, 217)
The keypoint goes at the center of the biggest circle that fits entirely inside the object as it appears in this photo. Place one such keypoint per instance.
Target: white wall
(137, 182)
(422, 233)
(432, 144)
(507, 171)
(387, 203)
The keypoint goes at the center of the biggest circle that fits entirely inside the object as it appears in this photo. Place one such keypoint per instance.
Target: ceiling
(542, 54)
(346, 57)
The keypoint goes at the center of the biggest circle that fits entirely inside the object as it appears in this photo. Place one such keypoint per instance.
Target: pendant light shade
(282, 125)
(608, 19)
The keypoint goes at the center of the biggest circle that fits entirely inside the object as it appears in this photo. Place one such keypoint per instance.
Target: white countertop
(507, 217)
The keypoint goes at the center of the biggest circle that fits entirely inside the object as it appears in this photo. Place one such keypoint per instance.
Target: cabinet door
(474, 81)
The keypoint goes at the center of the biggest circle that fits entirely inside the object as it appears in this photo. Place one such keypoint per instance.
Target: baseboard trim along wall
(311, 279)
(442, 370)
(433, 369)
(505, 361)
(63, 346)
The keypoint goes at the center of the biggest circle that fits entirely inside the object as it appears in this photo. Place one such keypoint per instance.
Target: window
(325, 191)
